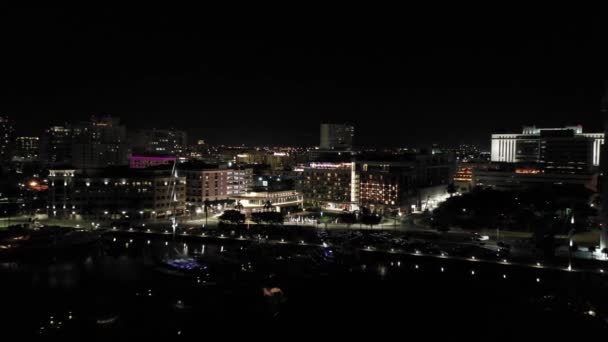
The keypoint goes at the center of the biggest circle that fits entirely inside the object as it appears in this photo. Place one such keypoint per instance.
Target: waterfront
(123, 286)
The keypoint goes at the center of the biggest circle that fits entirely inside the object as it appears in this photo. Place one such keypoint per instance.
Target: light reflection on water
(109, 269)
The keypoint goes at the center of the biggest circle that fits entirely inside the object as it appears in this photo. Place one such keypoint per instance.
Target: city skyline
(399, 86)
(484, 143)
(166, 172)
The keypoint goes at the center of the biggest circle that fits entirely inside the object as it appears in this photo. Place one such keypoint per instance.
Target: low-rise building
(281, 201)
(116, 193)
(526, 178)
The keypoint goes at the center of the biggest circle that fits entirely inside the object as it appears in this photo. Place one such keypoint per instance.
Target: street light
(571, 244)
(395, 217)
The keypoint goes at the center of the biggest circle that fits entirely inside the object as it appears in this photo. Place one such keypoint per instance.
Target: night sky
(409, 80)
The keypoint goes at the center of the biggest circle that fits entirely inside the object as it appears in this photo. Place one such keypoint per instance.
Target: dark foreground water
(196, 289)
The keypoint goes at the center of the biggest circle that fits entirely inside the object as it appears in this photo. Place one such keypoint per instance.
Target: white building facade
(514, 148)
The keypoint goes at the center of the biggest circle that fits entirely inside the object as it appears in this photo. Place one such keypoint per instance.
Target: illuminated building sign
(330, 165)
(464, 174)
(528, 171)
(141, 162)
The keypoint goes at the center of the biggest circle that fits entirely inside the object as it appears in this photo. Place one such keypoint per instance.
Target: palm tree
(268, 205)
(206, 204)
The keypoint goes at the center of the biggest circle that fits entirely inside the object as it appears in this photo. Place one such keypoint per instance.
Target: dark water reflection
(123, 288)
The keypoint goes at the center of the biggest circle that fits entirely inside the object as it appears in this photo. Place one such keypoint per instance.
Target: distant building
(565, 157)
(60, 198)
(275, 160)
(27, 149)
(7, 136)
(99, 143)
(463, 177)
(328, 156)
(337, 137)
(471, 154)
(567, 149)
(116, 193)
(519, 178)
(56, 146)
(160, 141)
(199, 151)
(96, 143)
(273, 183)
(142, 162)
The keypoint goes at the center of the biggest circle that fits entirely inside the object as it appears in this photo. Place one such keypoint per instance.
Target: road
(410, 224)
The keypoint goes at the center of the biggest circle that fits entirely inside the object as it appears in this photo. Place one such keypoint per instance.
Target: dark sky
(403, 80)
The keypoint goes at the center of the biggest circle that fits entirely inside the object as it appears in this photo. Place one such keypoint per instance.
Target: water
(125, 288)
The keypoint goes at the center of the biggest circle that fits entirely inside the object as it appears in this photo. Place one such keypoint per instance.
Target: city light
(281, 143)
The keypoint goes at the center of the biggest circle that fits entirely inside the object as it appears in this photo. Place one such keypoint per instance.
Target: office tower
(27, 149)
(99, 143)
(169, 142)
(567, 149)
(337, 137)
(56, 146)
(7, 135)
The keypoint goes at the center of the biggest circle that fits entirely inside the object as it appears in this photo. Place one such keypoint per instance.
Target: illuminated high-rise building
(27, 149)
(90, 144)
(168, 142)
(7, 135)
(56, 146)
(99, 142)
(567, 149)
(337, 137)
